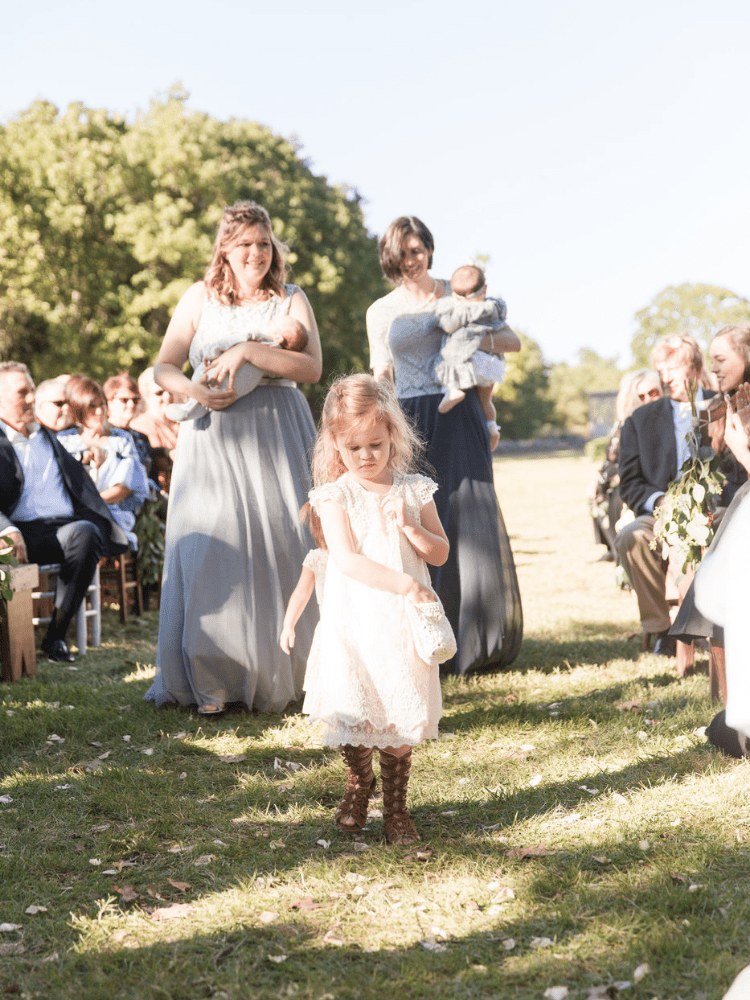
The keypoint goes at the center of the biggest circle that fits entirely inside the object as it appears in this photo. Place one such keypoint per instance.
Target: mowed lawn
(578, 833)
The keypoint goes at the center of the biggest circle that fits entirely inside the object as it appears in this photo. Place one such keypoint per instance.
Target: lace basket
(433, 636)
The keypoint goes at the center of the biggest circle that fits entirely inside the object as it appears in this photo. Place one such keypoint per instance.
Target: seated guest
(730, 364)
(158, 428)
(120, 478)
(653, 448)
(49, 507)
(123, 404)
(51, 406)
(636, 388)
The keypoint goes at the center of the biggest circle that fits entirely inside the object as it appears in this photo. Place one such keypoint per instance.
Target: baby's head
(354, 403)
(469, 282)
(290, 334)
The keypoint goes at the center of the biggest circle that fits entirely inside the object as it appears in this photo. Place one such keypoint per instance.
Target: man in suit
(49, 507)
(652, 450)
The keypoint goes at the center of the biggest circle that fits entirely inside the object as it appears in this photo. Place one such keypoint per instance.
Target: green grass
(549, 809)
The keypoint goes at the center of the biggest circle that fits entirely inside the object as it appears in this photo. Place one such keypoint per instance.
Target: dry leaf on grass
(127, 893)
(521, 853)
(204, 859)
(325, 844)
(628, 706)
(154, 894)
(33, 910)
(333, 936)
(641, 971)
(7, 928)
(6, 800)
(602, 859)
(504, 895)
(305, 904)
(232, 758)
(277, 958)
(277, 845)
(509, 944)
(95, 862)
(174, 912)
(180, 886)
(267, 916)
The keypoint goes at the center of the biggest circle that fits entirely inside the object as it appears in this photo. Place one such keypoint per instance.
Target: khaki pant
(647, 572)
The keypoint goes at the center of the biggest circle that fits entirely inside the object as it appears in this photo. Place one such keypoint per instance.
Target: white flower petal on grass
(95, 862)
(54, 738)
(62, 788)
(430, 944)
(33, 910)
(359, 846)
(536, 780)
(148, 751)
(267, 916)
(126, 739)
(695, 886)
(277, 958)
(325, 844)
(644, 845)
(7, 928)
(641, 971)
(556, 992)
(6, 800)
(509, 944)
(591, 791)
(110, 871)
(541, 942)
(204, 859)
(219, 843)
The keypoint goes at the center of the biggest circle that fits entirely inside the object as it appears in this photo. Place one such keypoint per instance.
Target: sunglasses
(59, 403)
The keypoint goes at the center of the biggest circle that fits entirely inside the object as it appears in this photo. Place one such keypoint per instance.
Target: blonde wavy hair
(353, 402)
(235, 221)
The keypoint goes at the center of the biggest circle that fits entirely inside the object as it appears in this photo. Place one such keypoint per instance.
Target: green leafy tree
(569, 385)
(694, 308)
(105, 223)
(524, 408)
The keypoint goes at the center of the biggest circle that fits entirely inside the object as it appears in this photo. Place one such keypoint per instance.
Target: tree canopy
(569, 385)
(104, 223)
(693, 308)
(524, 408)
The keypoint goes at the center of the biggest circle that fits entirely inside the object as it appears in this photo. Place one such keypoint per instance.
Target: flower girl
(364, 679)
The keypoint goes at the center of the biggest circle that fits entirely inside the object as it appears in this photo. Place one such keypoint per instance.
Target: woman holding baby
(478, 584)
(234, 541)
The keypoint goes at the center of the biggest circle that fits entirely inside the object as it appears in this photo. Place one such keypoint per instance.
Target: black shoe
(58, 652)
(665, 645)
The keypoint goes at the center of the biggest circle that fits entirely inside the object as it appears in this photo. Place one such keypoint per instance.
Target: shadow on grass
(289, 956)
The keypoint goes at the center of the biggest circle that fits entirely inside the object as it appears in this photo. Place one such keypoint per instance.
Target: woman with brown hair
(477, 585)
(234, 541)
(113, 463)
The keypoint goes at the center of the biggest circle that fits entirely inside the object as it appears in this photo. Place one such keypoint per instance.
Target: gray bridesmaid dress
(235, 546)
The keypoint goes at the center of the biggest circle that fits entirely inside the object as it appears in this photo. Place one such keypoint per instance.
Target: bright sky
(597, 152)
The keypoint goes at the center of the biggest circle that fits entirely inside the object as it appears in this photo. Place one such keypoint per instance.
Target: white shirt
(682, 416)
(44, 495)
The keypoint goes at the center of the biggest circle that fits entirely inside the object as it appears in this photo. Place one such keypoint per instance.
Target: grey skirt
(234, 552)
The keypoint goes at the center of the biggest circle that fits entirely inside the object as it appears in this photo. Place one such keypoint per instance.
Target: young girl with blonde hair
(364, 680)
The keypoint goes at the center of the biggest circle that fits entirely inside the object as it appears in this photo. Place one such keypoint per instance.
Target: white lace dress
(364, 681)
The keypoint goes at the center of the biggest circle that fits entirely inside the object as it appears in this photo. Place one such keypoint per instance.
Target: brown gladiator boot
(351, 814)
(397, 823)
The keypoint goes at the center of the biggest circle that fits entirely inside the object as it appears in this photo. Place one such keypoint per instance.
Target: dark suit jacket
(648, 454)
(87, 504)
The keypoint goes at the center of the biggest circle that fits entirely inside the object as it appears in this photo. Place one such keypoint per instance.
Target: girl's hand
(227, 364)
(395, 508)
(418, 593)
(287, 638)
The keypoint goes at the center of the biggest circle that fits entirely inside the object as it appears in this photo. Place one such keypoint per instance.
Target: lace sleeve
(422, 489)
(328, 491)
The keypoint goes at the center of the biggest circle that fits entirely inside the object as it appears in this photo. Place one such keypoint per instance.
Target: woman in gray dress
(234, 541)
(478, 584)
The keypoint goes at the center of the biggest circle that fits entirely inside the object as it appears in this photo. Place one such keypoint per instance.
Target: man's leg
(77, 546)
(647, 572)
